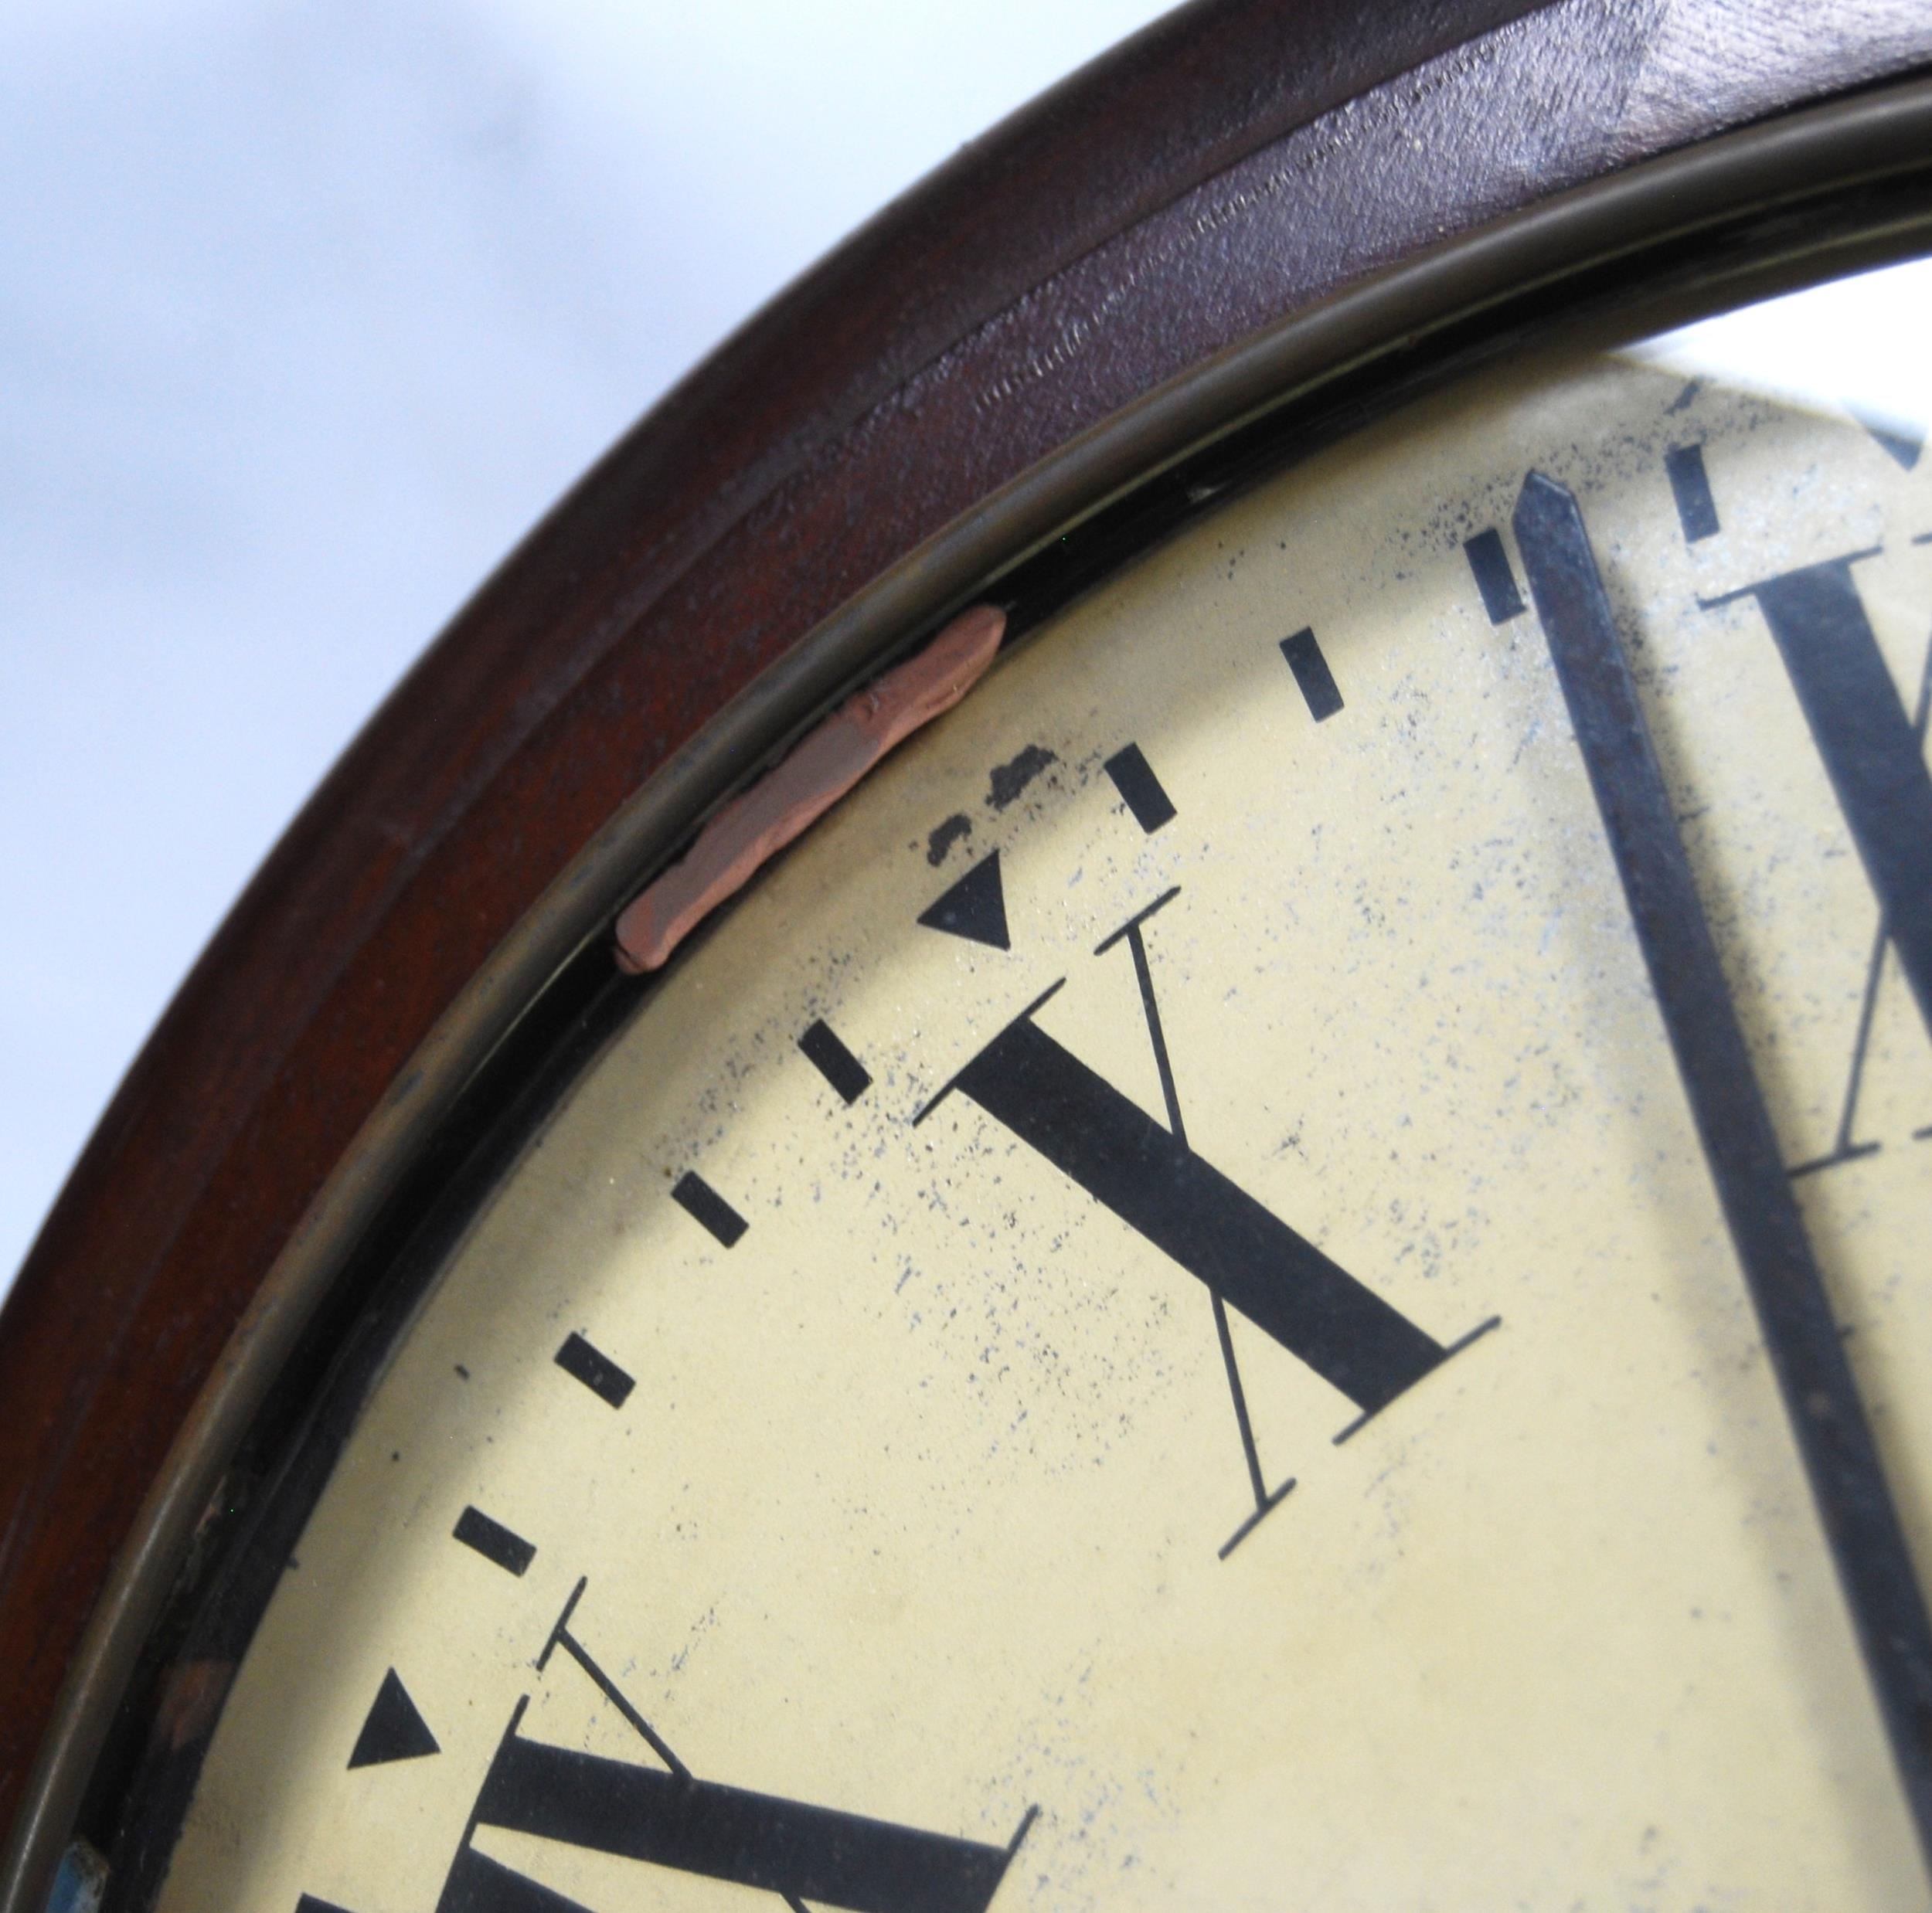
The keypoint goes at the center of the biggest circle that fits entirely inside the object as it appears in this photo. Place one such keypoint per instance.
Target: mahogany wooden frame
(1239, 200)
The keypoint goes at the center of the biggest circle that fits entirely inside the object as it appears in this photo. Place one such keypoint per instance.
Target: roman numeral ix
(802, 1853)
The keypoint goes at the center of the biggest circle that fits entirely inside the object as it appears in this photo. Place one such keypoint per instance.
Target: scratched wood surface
(1237, 162)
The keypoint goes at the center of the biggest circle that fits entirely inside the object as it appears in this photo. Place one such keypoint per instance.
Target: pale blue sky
(306, 312)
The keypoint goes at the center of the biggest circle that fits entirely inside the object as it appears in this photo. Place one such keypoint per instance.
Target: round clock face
(1147, 1322)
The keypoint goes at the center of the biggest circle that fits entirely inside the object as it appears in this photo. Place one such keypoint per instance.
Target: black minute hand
(1847, 1480)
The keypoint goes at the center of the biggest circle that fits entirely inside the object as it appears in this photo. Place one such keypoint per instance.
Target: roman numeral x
(1247, 1257)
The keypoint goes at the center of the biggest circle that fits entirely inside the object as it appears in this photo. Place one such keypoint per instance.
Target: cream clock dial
(1148, 1320)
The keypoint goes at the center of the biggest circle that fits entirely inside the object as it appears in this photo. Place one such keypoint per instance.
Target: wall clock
(1278, 1264)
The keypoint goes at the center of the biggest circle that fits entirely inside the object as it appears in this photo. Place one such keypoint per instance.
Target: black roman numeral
(799, 1852)
(1873, 752)
(1247, 1257)
(670, 1818)
(1844, 1149)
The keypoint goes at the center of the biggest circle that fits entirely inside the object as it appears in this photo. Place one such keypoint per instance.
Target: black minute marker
(1140, 789)
(849, 1077)
(584, 1362)
(704, 1204)
(1489, 566)
(1690, 486)
(495, 1542)
(1847, 1477)
(1312, 676)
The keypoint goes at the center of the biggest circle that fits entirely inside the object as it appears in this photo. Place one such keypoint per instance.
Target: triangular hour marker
(974, 907)
(394, 1730)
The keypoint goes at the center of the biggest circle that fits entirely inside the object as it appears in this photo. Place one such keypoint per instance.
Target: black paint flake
(1008, 780)
(945, 835)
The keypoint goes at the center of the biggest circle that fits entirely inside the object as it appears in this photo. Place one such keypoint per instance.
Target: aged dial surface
(1145, 1323)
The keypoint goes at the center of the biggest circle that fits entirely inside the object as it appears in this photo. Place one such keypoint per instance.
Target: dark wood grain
(1237, 162)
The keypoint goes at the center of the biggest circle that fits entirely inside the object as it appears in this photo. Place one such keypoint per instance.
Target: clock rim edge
(809, 669)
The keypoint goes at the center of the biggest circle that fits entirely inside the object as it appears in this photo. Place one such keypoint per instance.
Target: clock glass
(1171, 1309)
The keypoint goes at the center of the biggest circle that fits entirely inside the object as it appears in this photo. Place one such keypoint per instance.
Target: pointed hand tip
(1543, 498)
